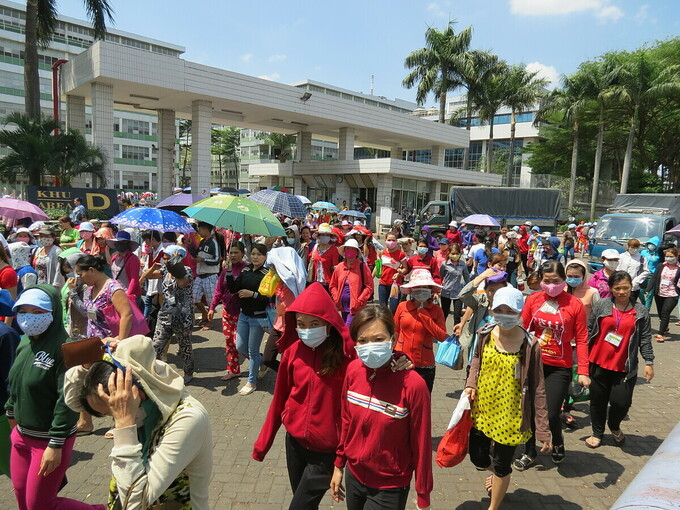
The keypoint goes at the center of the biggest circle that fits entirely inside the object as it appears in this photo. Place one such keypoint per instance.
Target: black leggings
(457, 308)
(609, 388)
(664, 307)
(361, 497)
(482, 457)
(427, 373)
(557, 381)
(309, 473)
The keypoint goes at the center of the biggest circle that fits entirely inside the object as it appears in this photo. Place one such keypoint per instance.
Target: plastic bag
(448, 352)
(378, 267)
(454, 445)
(269, 284)
(394, 290)
(577, 392)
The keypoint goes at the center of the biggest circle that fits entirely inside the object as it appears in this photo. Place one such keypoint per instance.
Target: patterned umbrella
(147, 218)
(329, 206)
(304, 199)
(280, 202)
(179, 200)
(483, 220)
(353, 214)
(12, 209)
(238, 214)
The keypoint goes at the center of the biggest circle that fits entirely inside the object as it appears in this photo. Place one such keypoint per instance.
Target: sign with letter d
(104, 202)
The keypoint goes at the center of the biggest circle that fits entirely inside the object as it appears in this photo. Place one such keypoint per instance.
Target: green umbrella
(238, 214)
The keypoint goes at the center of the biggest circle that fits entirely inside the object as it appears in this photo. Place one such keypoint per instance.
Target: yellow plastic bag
(269, 284)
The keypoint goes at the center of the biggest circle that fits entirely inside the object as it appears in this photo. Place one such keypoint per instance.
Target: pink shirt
(666, 287)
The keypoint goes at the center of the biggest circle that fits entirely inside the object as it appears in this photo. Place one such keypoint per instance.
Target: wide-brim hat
(324, 228)
(349, 243)
(420, 278)
(512, 235)
(122, 236)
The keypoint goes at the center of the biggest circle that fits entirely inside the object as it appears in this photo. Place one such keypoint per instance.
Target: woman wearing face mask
(651, 255)
(618, 328)
(125, 265)
(507, 392)
(352, 283)
(46, 259)
(419, 323)
(316, 350)
(230, 309)
(23, 235)
(100, 245)
(43, 427)
(324, 257)
(635, 265)
(379, 403)
(666, 290)
(423, 259)
(253, 317)
(432, 243)
(599, 280)
(577, 284)
(307, 242)
(392, 259)
(556, 318)
(455, 276)
(86, 242)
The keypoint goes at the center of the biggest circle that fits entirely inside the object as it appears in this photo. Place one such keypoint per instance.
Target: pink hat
(420, 278)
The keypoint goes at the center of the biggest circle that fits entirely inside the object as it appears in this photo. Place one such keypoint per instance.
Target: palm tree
(279, 141)
(225, 144)
(569, 101)
(642, 84)
(436, 67)
(34, 152)
(185, 132)
(524, 90)
(41, 23)
(489, 100)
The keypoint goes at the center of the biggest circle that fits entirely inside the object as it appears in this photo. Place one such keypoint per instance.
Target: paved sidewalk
(588, 479)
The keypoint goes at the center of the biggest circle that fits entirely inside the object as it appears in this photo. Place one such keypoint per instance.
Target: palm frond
(99, 12)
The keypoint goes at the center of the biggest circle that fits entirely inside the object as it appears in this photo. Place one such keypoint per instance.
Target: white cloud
(440, 9)
(609, 13)
(277, 58)
(547, 72)
(602, 9)
(643, 14)
(270, 77)
(247, 57)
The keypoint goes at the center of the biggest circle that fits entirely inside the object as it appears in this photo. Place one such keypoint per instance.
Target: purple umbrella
(179, 200)
(483, 220)
(675, 231)
(12, 210)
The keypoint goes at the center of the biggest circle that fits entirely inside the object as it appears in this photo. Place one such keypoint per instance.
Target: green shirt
(69, 236)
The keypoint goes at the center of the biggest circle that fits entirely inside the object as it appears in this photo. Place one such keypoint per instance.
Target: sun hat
(510, 297)
(86, 226)
(512, 235)
(349, 243)
(36, 226)
(122, 236)
(611, 254)
(36, 297)
(454, 223)
(571, 225)
(23, 230)
(346, 223)
(420, 278)
(515, 228)
(174, 249)
(535, 229)
(45, 231)
(324, 228)
(528, 223)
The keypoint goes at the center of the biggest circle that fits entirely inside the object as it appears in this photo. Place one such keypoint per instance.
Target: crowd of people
(354, 368)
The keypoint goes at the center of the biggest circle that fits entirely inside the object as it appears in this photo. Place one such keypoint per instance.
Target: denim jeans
(385, 299)
(249, 333)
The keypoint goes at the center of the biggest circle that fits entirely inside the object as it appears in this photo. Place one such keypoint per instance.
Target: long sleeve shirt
(417, 329)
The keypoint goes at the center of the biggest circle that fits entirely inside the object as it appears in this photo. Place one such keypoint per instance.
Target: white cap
(515, 228)
(611, 254)
(509, 296)
(528, 223)
(571, 225)
(454, 223)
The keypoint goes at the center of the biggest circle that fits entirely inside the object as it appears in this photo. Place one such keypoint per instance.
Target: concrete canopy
(147, 81)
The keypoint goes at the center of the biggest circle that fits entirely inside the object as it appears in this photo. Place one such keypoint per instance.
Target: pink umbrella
(12, 209)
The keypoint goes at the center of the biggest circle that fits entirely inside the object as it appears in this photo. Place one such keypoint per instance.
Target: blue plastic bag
(448, 352)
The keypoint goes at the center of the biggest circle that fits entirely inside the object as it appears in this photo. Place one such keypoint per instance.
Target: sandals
(229, 375)
(488, 484)
(660, 338)
(619, 438)
(570, 421)
(524, 462)
(593, 442)
(558, 454)
(84, 432)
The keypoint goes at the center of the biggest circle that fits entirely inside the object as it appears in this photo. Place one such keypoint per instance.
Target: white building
(133, 156)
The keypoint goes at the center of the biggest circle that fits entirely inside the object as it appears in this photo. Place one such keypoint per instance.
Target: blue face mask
(374, 354)
(574, 282)
(422, 250)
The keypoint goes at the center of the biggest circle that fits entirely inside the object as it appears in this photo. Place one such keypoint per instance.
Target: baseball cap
(510, 297)
(611, 254)
(445, 240)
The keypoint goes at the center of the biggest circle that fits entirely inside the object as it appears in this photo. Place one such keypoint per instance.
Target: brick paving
(587, 479)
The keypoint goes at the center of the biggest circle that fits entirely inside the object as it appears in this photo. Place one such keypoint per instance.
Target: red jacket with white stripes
(386, 429)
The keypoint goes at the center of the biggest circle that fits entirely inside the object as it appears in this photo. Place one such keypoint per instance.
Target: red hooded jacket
(306, 403)
(360, 284)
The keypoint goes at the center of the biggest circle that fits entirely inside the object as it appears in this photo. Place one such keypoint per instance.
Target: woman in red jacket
(419, 323)
(352, 282)
(316, 351)
(557, 319)
(324, 257)
(423, 259)
(379, 405)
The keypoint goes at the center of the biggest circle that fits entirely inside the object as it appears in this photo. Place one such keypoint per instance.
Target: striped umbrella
(280, 202)
(329, 206)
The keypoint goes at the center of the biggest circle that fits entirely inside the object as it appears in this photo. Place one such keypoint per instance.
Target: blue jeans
(569, 253)
(385, 299)
(249, 335)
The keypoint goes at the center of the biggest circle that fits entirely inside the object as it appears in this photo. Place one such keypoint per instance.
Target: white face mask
(634, 251)
(312, 337)
(34, 324)
(421, 294)
(611, 264)
(506, 320)
(375, 354)
(46, 241)
(324, 239)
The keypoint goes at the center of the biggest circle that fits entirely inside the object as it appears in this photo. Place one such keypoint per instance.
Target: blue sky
(345, 42)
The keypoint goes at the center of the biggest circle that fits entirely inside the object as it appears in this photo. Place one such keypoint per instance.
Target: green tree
(436, 67)
(280, 141)
(524, 89)
(225, 145)
(41, 23)
(184, 150)
(76, 156)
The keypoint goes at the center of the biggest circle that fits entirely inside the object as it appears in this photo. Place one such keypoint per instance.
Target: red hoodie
(386, 429)
(306, 403)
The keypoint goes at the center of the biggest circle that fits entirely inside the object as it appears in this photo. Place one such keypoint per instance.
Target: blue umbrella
(179, 200)
(242, 191)
(329, 206)
(147, 218)
(353, 214)
(280, 202)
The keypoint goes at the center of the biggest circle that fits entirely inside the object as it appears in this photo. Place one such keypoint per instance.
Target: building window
(135, 152)
(408, 195)
(137, 127)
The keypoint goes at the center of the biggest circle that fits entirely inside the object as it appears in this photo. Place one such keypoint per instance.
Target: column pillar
(102, 126)
(201, 124)
(346, 144)
(437, 155)
(166, 153)
(75, 113)
(397, 153)
(304, 146)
